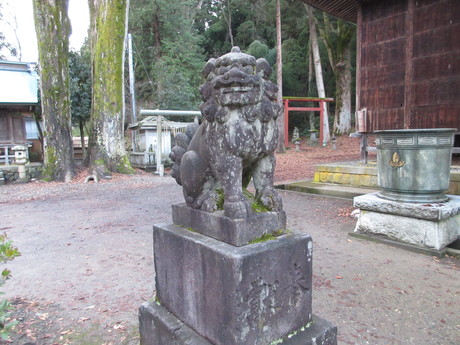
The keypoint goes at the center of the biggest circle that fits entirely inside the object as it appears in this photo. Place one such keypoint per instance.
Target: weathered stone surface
(433, 211)
(159, 327)
(2, 179)
(234, 295)
(10, 172)
(432, 226)
(236, 140)
(237, 232)
(318, 332)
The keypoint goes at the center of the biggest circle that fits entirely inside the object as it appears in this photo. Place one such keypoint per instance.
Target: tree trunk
(338, 41)
(342, 118)
(53, 30)
(279, 78)
(228, 19)
(82, 138)
(156, 31)
(318, 71)
(107, 29)
(311, 115)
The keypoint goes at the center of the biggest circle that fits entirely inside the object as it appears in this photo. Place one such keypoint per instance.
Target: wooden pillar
(286, 122)
(408, 62)
(359, 45)
(321, 117)
(10, 127)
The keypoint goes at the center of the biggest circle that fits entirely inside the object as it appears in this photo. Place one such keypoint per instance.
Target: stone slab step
(327, 189)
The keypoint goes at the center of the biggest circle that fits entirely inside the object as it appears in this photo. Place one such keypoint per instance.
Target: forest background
(172, 40)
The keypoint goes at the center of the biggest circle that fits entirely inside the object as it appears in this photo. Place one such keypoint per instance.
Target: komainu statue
(236, 140)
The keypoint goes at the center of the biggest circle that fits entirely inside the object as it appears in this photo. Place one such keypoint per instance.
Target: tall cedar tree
(80, 90)
(168, 56)
(279, 77)
(339, 37)
(318, 71)
(53, 30)
(107, 151)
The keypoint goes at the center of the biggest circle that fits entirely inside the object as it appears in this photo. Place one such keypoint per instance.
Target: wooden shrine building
(408, 61)
(18, 99)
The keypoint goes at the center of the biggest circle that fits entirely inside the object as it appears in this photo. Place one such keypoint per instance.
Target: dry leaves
(295, 166)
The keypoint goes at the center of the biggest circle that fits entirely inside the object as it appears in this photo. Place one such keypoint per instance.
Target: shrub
(7, 253)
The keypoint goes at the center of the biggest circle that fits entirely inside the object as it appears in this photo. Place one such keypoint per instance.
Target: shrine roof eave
(343, 9)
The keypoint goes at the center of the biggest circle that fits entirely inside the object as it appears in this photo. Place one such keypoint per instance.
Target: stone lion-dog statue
(235, 141)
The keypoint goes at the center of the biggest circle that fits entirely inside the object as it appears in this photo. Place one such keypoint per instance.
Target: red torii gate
(288, 108)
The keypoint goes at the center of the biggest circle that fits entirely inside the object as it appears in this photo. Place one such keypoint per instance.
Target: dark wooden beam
(409, 63)
(344, 9)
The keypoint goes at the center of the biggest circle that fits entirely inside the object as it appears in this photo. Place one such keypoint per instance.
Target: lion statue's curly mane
(235, 141)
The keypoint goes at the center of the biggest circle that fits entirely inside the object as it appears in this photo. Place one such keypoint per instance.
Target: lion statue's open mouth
(235, 141)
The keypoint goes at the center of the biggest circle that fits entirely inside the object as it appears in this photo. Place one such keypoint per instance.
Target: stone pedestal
(158, 326)
(22, 174)
(431, 225)
(211, 292)
(237, 232)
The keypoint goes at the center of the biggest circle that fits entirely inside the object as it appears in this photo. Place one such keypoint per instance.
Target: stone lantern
(21, 159)
(20, 154)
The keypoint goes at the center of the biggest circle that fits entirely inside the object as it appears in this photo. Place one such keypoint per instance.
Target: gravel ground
(86, 263)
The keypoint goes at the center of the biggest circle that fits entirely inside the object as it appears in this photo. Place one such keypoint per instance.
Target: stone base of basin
(433, 225)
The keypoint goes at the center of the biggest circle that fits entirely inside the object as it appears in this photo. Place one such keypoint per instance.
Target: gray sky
(79, 17)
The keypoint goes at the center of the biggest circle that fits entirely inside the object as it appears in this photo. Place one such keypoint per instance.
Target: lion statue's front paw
(238, 209)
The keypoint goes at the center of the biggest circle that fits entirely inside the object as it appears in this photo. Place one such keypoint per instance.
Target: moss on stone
(124, 166)
(268, 237)
(289, 336)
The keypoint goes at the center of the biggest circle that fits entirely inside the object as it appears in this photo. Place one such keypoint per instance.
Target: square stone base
(433, 225)
(237, 232)
(160, 327)
(232, 295)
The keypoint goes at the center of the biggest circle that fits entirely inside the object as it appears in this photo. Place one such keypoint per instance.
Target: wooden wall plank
(376, 10)
(411, 78)
(438, 66)
(433, 14)
(439, 40)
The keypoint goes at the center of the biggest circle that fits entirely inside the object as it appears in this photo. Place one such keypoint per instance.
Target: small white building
(146, 138)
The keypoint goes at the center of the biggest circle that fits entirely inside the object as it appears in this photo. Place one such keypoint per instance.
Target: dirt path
(86, 265)
(87, 253)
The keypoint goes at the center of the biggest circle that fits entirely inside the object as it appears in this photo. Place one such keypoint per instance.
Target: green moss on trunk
(108, 20)
(53, 30)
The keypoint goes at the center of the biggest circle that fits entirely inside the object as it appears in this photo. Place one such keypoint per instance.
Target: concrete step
(361, 175)
(327, 189)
